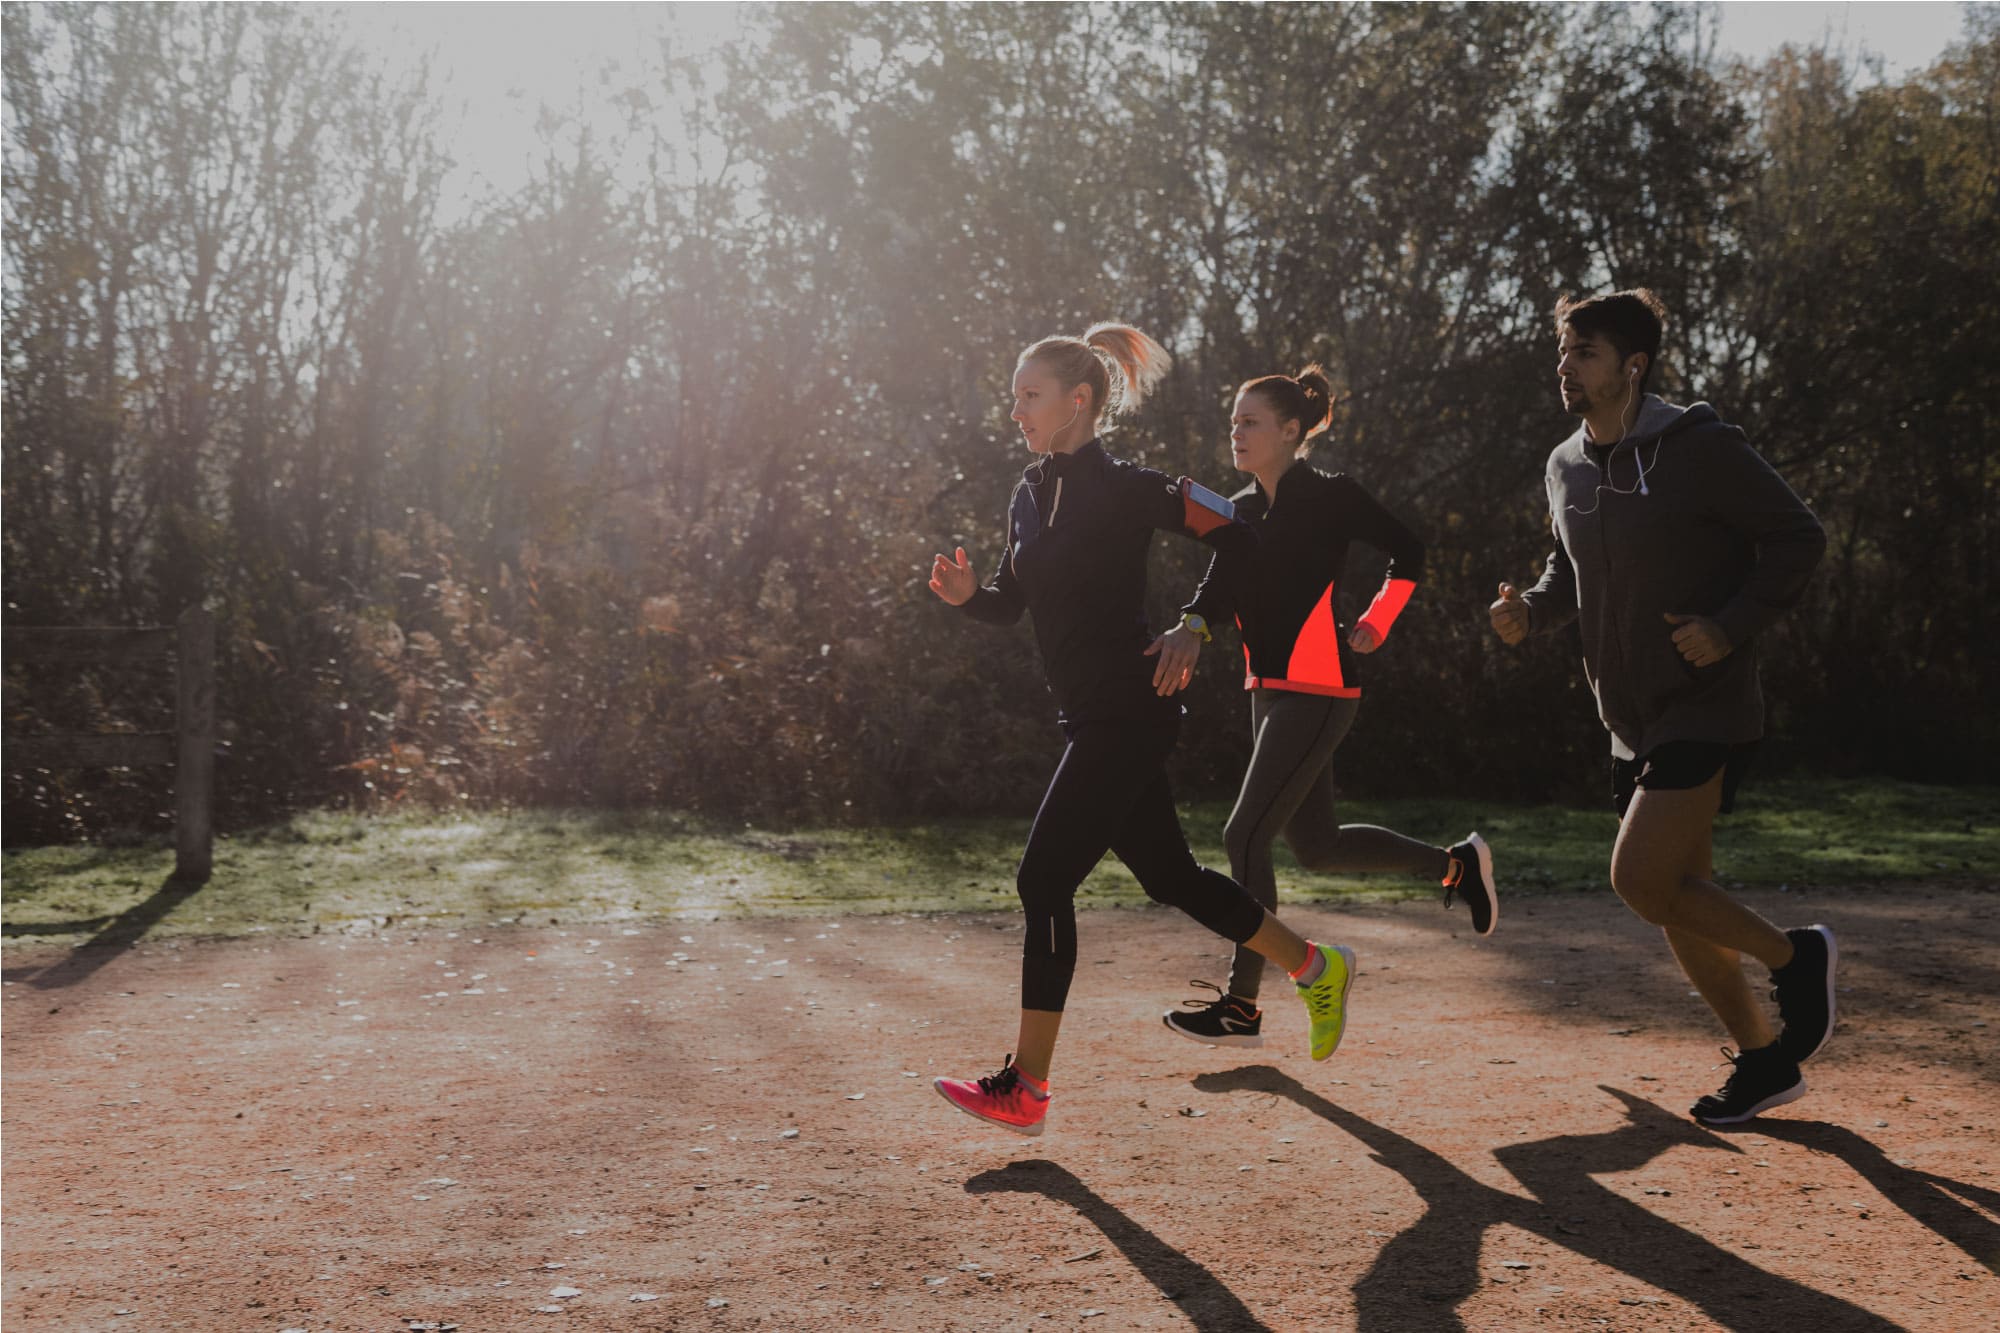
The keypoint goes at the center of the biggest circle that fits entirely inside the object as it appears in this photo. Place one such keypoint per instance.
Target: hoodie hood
(1657, 417)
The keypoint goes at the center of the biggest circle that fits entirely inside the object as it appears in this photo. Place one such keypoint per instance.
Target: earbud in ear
(1632, 374)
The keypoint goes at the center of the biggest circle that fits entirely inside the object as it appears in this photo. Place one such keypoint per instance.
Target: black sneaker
(1222, 1021)
(1761, 1080)
(1475, 882)
(1804, 991)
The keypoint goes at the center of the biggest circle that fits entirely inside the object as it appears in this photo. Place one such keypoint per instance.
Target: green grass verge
(335, 871)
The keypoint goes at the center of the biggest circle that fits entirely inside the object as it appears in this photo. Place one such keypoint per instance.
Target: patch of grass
(330, 871)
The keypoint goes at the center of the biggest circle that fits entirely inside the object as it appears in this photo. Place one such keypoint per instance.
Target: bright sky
(1908, 36)
(497, 63)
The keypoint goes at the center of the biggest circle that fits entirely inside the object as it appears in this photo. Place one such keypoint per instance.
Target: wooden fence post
(194, 771)
(190, 746)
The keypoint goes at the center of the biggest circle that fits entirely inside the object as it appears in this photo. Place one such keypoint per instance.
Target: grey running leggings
(1288, 789)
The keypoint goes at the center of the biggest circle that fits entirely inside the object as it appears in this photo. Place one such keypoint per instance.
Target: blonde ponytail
(1141, 364)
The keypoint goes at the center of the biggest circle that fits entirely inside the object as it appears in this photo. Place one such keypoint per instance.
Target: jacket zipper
(1611, 640)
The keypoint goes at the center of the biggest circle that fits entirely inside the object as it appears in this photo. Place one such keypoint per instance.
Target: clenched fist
(1700, 639)
(1509, 615)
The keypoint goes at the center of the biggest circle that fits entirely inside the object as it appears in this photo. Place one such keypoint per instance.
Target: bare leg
(1656, 867)
(1718, 974)
(1661, 868)
(1035, 1049)
(1279, 943)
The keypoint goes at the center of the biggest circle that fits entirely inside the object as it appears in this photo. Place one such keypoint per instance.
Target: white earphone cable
(1631, 388)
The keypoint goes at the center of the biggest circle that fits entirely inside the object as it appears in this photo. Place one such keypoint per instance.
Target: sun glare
(510, 77)
(517, 80)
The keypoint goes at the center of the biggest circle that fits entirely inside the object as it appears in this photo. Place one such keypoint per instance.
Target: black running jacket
(1283, 588)
(1078, 529)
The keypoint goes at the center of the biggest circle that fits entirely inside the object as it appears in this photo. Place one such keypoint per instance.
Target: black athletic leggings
(1110, 793)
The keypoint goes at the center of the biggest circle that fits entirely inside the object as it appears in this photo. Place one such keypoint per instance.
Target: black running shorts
(1681, 766)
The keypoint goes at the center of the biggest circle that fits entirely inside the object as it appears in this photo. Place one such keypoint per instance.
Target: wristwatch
(1198, 625)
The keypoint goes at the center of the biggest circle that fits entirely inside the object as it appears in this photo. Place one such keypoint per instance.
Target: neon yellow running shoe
(1326, 999)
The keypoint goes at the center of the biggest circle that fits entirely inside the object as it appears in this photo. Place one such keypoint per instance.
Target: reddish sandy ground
(736, 1119)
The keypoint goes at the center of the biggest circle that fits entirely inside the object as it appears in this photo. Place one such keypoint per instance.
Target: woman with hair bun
(1078, 528)
(1282, 590)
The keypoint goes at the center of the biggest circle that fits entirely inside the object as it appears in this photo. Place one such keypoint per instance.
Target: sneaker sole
(1346, 956)
(1030, 1130)
(1239, 1039)
(1485, 855)
(1791, 1094)
(1832, 958)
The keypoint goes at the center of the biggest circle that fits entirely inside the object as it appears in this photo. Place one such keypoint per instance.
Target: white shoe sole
(1238, 1039)
(1032, 1131)
(1791, 1094)
(1485, 855)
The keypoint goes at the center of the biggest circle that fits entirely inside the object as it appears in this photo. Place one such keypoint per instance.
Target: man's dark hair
(1632, 321)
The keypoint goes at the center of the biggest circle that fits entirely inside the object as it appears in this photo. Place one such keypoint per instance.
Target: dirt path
(373, 1132)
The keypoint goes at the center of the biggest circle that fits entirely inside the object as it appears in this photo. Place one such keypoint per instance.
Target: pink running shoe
(1001, 1098)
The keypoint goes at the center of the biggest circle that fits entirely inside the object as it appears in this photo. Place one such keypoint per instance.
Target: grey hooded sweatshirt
(1681, 516)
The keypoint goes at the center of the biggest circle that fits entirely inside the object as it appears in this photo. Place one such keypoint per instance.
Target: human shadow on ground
(1201, 1296)
(119, 934)
(1926, 1197)
(1432, 1266)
